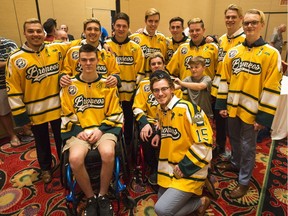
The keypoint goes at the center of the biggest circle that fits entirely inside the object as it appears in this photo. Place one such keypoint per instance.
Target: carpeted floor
(23, 193)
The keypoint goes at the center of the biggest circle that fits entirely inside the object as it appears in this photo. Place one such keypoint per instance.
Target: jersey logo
(187, 59)
(170, 132)
(75, 55)
(102, 69)
(125, 60)
(146, 88)
(221, 54)
(81, 103)
(245, 66)
(21, 63)
(152, 100)
(170, 53)
(232, 53)
(198, 119)
(149, 50)
(184, 50)
(72, 90)
(137, 40)
(37, 74)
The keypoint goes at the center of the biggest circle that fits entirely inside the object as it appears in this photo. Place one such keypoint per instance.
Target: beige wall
(69, 12)
(73, 12)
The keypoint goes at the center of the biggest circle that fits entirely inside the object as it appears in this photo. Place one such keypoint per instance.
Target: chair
(93, 166)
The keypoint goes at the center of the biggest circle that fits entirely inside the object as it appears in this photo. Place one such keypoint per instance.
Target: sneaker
(105, 206)
(91, 207)
(153, 178)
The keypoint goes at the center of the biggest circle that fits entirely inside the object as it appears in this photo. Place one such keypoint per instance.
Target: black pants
(42, 140)
(128, 121)
(221, 128)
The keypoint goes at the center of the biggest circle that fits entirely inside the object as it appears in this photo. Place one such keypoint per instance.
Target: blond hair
(151, 12)
(235, 8)
(30, 21)
(196, 20)
(258, 12)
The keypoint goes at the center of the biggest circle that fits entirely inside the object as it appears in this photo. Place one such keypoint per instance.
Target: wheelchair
(117, 190)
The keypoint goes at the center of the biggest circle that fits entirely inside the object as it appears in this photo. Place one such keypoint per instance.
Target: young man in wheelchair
(91, 118)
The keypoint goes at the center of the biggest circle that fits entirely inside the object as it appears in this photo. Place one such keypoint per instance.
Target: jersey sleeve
(15, 94)
(199, 154)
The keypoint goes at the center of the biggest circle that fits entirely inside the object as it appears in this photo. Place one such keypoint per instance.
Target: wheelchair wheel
(123, 159)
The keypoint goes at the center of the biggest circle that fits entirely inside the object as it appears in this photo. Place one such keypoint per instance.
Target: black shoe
(105, 206)
(153, 178)
(91, 207)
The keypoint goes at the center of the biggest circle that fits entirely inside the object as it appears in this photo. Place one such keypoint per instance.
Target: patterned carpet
(23, 193)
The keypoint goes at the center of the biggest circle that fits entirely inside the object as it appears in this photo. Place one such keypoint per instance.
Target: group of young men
(91, 93)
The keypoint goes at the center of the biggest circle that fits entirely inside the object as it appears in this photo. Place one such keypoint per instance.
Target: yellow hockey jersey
(87, 106)
(250, 83)
(32, 83)
(130, 59)
(106, 62)
(225, 43)
(173, 45)
(150, 44)
(186, 141)
(178, 65)
(145, 104)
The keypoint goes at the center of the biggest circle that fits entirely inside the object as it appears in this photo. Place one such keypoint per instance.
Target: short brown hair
(159, 75)
(197, 60)
(91, 20)
(174, 19)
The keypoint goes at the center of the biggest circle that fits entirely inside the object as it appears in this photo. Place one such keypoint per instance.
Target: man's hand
(258, 127)
(95, 136)
(83, 136)
(155, 141)
(177, 172)
(146, 132)
(65, 81)
(108, 48)
(111, 81)
(223, 113)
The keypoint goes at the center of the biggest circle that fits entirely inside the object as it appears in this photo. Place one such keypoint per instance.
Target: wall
(74, 12)
(211, 11)
(69, 12)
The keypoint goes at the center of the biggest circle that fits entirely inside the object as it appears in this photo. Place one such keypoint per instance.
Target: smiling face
(121, 29)
(196, 32)
(252, 26)
(34, 35)
(232, 21)
(156, 64)
(162, 92)
(92, 32)
(152, 23)
(176, 28)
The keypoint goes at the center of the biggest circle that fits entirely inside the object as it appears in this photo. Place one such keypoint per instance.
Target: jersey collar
(257, 43)
(201, 44)
(120, 43)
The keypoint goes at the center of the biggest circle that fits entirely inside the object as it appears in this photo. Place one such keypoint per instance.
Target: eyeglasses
(157, 91)
(253, 23)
